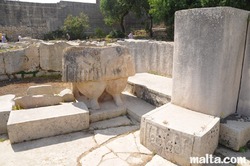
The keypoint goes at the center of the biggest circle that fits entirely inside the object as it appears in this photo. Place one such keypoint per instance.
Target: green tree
(163, 10)
(142, 8)
(114, 11)
(76, 26)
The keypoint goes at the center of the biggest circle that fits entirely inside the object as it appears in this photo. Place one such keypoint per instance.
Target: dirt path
(19, 86)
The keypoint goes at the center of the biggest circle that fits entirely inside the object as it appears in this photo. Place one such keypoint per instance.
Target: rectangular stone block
(24, 125)
(14, 61)
(244, 97)
(6, 103)
(177, 134)
(151, 56)
(208, 56)
(51, 55)
(235, 131)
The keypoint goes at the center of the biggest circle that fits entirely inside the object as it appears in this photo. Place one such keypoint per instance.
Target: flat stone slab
(159, 161)
(235, 131)
(154, 89)
(114, 122)
(40, 90)
(108, 110)
(124, 151)
(176, 133)
(24, 125)
(136, 107)
(6, 103)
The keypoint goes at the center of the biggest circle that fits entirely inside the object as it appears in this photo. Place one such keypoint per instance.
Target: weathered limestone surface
(97, 63)
(32, 57)
(244, 97)
(51, 55)
(151, 56)
(6, 103)
(14, 61)
(235, 131)
(177, 134)
(37, 101)
(47, 121)
(40, 90)
(208, 56)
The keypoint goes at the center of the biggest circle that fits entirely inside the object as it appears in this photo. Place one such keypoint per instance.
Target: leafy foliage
(163, 10)
(99, 33)
(116, 34)
(76, 26)
(54, 35)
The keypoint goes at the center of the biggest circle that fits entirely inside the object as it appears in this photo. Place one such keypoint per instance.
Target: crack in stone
(99, 145)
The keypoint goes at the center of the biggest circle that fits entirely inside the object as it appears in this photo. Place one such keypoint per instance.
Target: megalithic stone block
(97, 63)
(176, 133)
(208, 55)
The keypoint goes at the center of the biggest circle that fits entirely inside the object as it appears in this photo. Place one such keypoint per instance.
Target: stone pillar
(244, 97)
(208, 54)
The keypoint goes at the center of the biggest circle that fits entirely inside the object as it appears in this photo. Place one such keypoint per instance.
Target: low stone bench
(29, 124)
(177, 134)
(155, 89)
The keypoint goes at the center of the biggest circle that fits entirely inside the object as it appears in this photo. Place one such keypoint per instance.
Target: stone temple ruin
(209, 63)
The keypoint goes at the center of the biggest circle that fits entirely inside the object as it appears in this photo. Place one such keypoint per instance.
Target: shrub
(116, 34)
(76, 26)
(54, 35)
(99, 33)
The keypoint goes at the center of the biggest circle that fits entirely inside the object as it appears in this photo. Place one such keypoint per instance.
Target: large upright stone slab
(51, 55)
(177, 134)
(6, 103)
(244, 97)
(208, 56)
(42, 122)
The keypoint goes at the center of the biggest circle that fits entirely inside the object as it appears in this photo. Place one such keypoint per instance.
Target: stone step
(235, 131)
(29, 124)
(176, 133)
(136, 107)
(114, 122)
(108, 110)
(155, 89)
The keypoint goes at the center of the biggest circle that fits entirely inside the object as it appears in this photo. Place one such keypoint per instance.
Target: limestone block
(176, 133)
(47, 121)
(235, 131)
(51, 55)
(32, 58)
(6, 103)
(244, 97)
(208, 56)
(151, 56)
(67, 95)
(14, 61)
(37, 101)
(96, 63)
(40, 90)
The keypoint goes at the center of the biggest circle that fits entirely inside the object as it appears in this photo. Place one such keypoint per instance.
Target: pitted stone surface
(97, 63)
(176, 133)
(207, 71)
